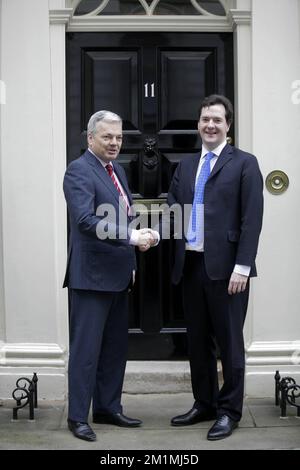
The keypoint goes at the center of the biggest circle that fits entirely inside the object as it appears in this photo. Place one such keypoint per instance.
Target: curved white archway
(151, 6)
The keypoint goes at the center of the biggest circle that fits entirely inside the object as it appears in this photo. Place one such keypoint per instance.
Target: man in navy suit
(216, 263)
(101, 263)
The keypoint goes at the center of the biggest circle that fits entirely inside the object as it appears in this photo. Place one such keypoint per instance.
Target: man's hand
(147, 238)
(237, 283)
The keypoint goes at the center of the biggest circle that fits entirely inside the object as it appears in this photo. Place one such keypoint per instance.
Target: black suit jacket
(93, 263)
(233, 209)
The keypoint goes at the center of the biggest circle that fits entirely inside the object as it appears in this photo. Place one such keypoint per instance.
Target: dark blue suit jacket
(93, 263)
(233, 209)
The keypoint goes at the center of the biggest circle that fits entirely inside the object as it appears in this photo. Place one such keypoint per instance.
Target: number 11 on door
(152, 95)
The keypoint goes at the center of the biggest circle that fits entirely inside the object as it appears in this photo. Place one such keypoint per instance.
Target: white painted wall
(276, 142)
(33, 335)
(2, 104)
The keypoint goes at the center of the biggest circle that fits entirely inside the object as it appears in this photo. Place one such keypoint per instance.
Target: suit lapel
(101, 173)
(105, 179)
(224, 157)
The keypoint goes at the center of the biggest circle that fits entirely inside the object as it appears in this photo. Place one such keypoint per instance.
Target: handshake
(146, 238)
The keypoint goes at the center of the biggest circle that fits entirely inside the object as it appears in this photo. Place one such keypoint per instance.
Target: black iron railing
(25, 394)
(287, 391)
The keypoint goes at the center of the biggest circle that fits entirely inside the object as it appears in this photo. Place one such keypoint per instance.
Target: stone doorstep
(158, 377)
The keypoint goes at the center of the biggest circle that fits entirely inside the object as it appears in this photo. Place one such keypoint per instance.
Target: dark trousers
(98, 350)
(212, 314)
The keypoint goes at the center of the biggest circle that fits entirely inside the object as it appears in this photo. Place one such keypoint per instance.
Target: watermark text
(2, 92)
(295, 97)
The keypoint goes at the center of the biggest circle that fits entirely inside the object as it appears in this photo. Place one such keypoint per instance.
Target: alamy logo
(296, 357)
(2, 92)
(173, 220)
(296, 93)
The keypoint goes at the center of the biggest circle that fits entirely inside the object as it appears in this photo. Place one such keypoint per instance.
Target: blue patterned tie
(195, 231)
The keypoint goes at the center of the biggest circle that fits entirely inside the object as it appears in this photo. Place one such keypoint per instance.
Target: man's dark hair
(211, 100)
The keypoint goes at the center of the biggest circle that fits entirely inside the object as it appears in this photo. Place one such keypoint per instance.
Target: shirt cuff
(241, 269)
(157, 236)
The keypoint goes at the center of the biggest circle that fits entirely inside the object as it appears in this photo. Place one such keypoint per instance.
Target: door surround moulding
(275, 353)
(239, 17)
(236, 20)
(61, 16)
(62, 20)
(48, 360)
(263, 358)
(201, 23)
(32, 355)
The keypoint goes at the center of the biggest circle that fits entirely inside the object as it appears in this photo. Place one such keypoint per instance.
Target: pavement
(261, 427)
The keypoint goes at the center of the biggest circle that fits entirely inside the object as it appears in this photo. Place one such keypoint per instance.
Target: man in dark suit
(223, 189)
(101, 263)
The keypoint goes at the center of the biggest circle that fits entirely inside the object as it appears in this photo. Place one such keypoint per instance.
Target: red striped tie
(110, 171)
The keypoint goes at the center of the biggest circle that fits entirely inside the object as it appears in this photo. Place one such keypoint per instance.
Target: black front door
(156, 82)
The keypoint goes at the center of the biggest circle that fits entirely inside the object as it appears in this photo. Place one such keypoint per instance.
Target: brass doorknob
(277, 182)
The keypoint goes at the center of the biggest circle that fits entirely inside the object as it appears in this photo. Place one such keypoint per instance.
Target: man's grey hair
(103, 115)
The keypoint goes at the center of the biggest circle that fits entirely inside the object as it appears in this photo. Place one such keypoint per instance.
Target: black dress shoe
(222, 428)
(192, 417)
(116, 418)
(81, 430)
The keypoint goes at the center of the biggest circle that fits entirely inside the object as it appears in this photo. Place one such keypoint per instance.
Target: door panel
(184, 75)
(156, 82)
(103, 88)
